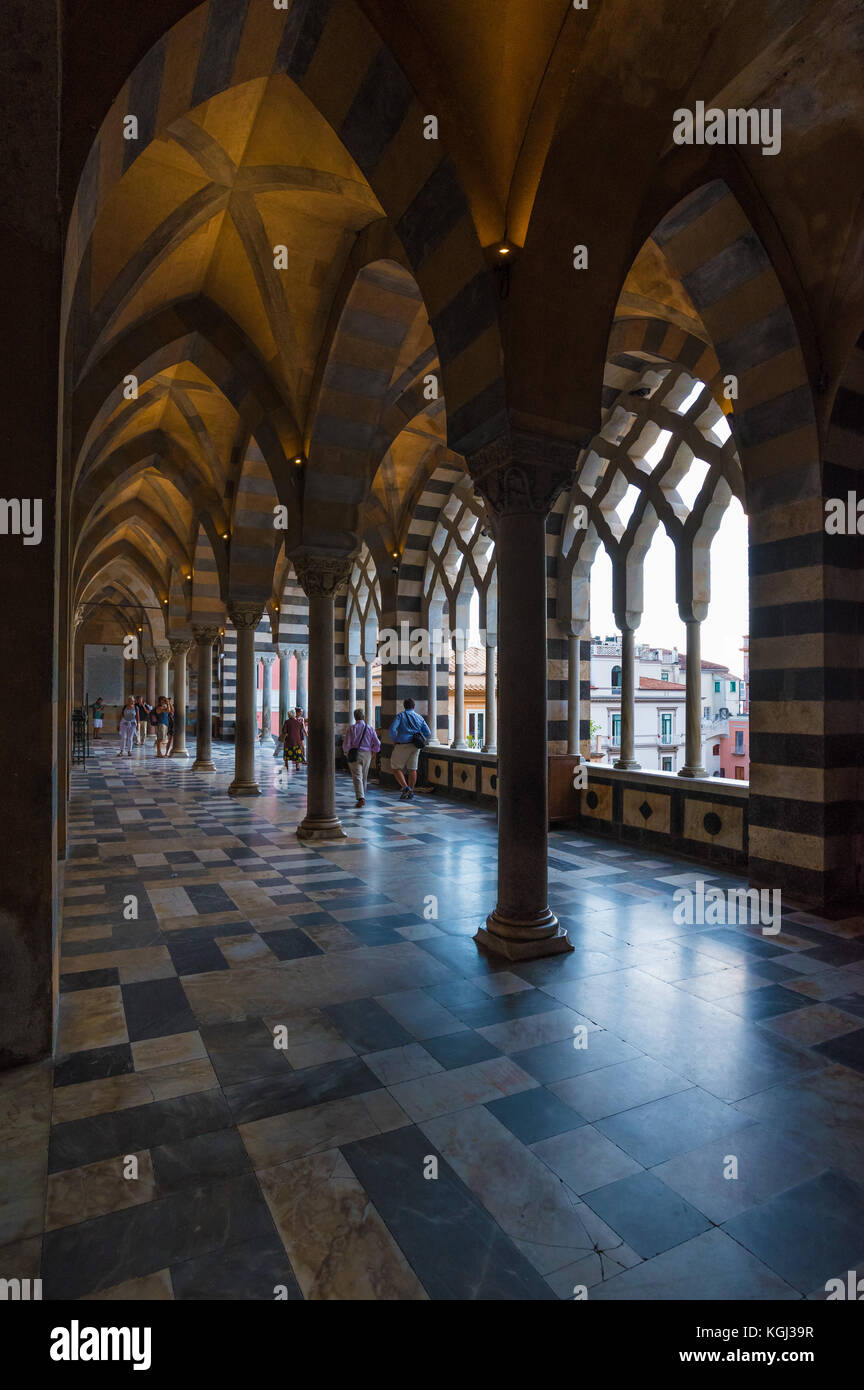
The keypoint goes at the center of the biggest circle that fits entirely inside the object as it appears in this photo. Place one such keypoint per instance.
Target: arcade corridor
(303, 1170)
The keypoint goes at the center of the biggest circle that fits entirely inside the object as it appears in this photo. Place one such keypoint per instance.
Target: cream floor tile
(460, 1088)
(78, 1194)
(91, 1018)
(336, 1241)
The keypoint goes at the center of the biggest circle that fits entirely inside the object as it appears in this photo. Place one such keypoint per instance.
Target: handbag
(352, 752)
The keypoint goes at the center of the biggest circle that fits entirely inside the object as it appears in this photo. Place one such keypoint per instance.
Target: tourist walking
(163, 727)
(127, 726)
(143, 718)
(170, 749)
(409, 732)
(98, 716)
(358, 744)
(293, 738)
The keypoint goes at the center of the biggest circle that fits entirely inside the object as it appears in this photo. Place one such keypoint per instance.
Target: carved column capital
(246, 615)
(322, 574)
(180, 646)
(163, 651)
(267, 658)
(204, 634)
(522, 473)
(151, 660)
(283, 652)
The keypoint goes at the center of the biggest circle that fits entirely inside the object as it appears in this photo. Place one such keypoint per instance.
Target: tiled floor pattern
(267, 1049)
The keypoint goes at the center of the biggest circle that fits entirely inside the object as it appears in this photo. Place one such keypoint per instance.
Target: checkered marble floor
(286, 1070)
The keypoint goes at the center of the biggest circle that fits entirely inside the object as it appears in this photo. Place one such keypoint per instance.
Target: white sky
(727, 620)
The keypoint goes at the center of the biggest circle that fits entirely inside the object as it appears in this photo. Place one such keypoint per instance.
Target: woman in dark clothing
(293, 737)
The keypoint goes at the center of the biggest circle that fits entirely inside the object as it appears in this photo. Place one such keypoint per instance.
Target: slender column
(573, 701)
(627, 758)
(522, 925)
(205, 637)
(150, 662)
(163, 656)
(352, 689)
(693, 703)
(180, 649)
(432, 698)
(370, 712)
(490, 744)
(459, 698)
(320, 577)
(284, 695)
(303, 681)
(245, 617)
(267, 660)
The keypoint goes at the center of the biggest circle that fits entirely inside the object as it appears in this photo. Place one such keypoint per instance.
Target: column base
(205, 766)
(179, 753)
(629, 766)
(244, 789)
(693, 772)
(313, 828)
(489, 748)
(267, 742)
(524, 940)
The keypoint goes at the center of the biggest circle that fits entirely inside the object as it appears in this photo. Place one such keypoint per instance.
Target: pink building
(734, 751)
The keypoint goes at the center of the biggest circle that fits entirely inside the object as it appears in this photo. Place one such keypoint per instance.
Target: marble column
(245, 617)
(626, 753)
(267, 660)
(369, 699)
(573, 700)
(163, 657)
(303, 681)
(151, 663)
(432, 698)
(205, 637)
(284, 695)
(519, 495)
(180, 649)
(352, 688)
(459, 697)
(490, 744)
(321, 577)
(693, 703)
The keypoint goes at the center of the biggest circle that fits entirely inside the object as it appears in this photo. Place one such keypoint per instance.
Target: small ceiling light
(299, 459)
(503, 249)
(225, 535)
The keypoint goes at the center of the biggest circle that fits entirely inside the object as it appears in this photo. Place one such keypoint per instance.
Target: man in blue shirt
(406, 753)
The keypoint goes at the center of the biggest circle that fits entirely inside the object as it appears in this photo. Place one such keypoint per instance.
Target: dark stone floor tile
(88, 979)
(276, 1095)
(117, 1132)
(808, 1233)
(209, 897)
(94, 1065)
(455, 1248)
(558, 1060)
(250, 1271)
(366, 1026)
(769, 1002)
(534, 1115)
(199, 1160)
(292, 944)
(460, 1049)
(506, 1007)
(457, 992)
(157, 1009)
(108, 1250)
(196, 957)
(647, 1214)
(847, 1050)
(243, 1051)
(663, 1128)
